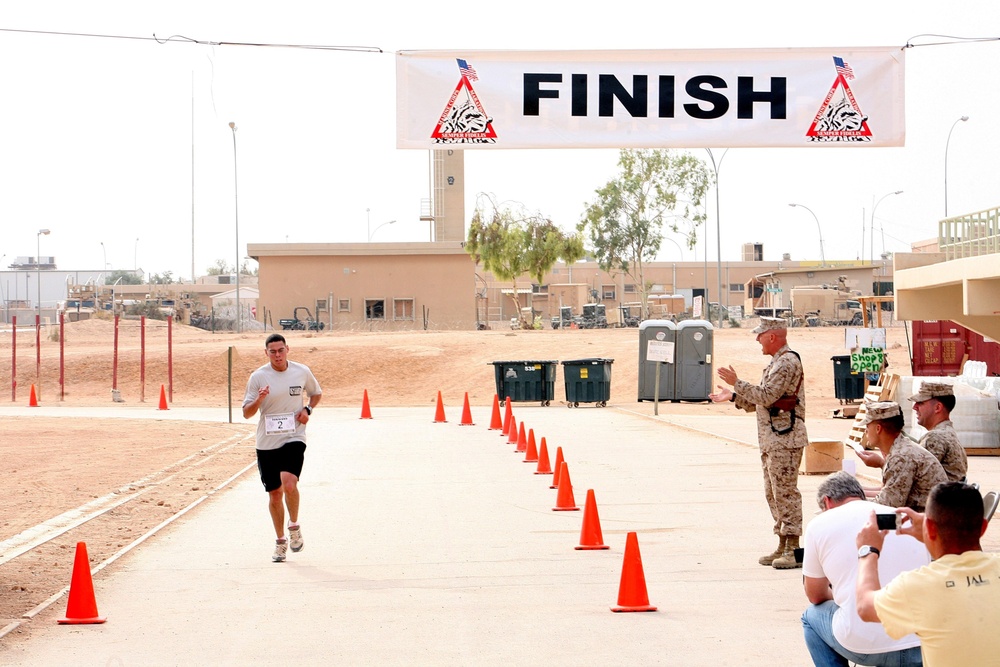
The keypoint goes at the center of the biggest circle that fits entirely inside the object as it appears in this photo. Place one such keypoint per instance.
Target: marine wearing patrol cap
(770, 324)
(882, 410)
(929, 390)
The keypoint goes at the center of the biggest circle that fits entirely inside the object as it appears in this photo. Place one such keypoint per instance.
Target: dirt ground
(61, 463)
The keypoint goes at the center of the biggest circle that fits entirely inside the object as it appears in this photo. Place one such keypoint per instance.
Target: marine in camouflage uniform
(942, 442)
(933, 405)
(781, 436)
(909, 475)
(910, 471)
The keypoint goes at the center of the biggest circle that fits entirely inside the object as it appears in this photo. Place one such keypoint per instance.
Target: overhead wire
(191, 40)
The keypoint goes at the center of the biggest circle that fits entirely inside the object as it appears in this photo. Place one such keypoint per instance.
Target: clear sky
(98, 134)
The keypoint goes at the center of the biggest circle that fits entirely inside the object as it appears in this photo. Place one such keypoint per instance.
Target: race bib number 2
(279, 423)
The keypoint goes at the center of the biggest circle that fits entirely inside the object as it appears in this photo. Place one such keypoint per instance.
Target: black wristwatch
(867, 550)
(732, 398)
(308, 410)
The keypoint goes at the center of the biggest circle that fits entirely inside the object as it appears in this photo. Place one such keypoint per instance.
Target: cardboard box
(822, 457)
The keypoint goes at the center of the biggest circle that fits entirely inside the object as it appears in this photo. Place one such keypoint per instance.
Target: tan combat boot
(769, 559)
(787, 560)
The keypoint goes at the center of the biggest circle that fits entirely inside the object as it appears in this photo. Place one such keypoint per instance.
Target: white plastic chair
(990, 502)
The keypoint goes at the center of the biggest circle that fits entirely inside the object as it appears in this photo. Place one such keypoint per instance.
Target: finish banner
(650, 99)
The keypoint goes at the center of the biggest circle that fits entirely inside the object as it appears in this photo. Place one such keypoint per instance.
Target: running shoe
(295, 541)
(280, 549)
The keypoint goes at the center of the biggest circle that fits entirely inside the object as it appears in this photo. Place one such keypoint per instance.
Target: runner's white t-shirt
(289, 390)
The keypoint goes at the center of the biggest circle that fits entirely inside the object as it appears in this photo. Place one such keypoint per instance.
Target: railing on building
(970, 235)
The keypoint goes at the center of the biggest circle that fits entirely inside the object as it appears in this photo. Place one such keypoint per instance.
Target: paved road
(432, 544)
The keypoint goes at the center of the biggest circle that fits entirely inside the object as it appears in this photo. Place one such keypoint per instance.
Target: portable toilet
(660, 332)
(695, 341)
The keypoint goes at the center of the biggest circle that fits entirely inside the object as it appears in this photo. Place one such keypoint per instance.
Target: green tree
(123, 277)
(165, 278)
(654, 188)
(511, 242)
(220, 268)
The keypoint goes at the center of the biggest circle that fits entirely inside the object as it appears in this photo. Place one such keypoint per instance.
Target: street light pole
(38, 269)
(718, 231)
(822, 255)
(871, 232)
(371, 234)
(236, 211)
(960, 120)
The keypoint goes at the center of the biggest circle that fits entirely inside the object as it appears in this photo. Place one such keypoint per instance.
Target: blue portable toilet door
(694, 373)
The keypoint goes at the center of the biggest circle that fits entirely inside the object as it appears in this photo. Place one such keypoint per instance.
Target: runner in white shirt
(278, 390)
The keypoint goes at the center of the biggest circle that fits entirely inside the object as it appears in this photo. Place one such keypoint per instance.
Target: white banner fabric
(650, 99)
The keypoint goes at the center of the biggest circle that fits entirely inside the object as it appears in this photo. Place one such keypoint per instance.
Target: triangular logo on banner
(840, 120)
(464, 121)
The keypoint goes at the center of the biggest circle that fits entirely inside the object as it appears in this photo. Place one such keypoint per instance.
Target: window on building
(608, 292)
(736, 287)
(539, 289)
(374, 309)
(344, 305)
(320, 305)
(629, 288)
(402, 309)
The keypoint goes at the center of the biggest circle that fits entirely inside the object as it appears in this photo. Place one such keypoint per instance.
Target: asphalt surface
(434, 543)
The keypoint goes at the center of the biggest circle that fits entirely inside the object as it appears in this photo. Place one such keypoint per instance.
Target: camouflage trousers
(781, 477)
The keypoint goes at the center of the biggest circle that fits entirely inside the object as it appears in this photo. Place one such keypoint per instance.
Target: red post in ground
(13, 359)
(142, 359)
(62, 356)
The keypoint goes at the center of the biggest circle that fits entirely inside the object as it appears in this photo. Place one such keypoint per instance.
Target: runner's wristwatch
(308, 410)
(866, 550)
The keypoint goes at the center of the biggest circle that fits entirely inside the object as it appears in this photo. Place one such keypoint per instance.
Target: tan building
(961, 281)
(368, 287)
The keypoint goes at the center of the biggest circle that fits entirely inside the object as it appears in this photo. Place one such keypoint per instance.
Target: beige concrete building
(961, 281)
(368, 287)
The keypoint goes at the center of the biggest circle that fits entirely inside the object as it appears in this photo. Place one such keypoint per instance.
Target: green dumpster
(587, 381)
(525, 380)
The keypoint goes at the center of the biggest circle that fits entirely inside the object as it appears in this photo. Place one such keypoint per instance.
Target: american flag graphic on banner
(467, 70)
(843, 68)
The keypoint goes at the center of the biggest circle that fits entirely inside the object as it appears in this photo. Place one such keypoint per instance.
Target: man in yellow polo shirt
(952, 604)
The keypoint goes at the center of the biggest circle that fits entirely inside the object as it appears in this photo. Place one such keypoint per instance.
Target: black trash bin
(525, 380)
(587, 381)
(848, 387)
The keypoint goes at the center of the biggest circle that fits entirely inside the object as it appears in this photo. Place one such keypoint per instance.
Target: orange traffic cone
(632, 590)
(543, 459)
(512, 431)
(557, 469)
(565, 502)
(33, 398)
(439, 414)
(466, 413)
(522, 439)
(591, 536)
(507, 417)
(163, 398)
(531, 453)
(81, 607)
(495, 422)
(366, 409)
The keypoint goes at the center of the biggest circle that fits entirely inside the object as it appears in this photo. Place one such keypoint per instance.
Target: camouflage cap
(770, 324)
(881, 410)
(929, 390)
